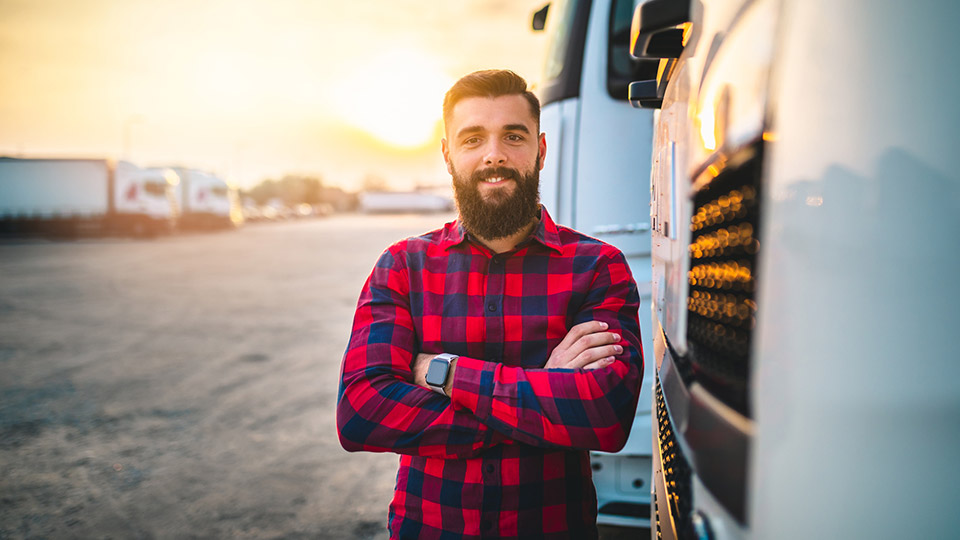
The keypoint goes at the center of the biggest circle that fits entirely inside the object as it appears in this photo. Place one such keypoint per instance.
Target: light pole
(128, 134)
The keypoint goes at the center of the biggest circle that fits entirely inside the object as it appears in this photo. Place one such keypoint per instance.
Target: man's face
(494, 153)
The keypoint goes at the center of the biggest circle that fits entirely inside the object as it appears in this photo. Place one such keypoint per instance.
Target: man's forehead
(491, 112)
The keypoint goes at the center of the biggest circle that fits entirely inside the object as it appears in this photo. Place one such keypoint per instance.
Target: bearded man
(493, 353)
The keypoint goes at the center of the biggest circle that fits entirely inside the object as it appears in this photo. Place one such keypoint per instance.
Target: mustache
(502, 172)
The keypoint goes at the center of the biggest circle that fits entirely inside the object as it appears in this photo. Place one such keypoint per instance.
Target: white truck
(85, 196)
(806, 206)
(381, 202)
(206, 201)
(595, 144)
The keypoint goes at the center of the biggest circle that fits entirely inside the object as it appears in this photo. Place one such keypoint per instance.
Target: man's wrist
(439, 374)
(448, 386)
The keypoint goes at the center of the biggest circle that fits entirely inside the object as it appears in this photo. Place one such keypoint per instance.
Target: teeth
(494, 180)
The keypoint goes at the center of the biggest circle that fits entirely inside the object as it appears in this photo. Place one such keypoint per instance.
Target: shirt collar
(545, 232)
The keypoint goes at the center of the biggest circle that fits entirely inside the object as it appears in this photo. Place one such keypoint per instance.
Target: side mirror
(657, 32)
(644, 95)
(654, 32)
(540, 18)
(622, 68)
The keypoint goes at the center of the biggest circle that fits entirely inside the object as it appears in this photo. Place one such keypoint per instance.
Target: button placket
(493, 306)
(490, 474)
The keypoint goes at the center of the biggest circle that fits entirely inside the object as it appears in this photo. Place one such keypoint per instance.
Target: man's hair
(489, 83)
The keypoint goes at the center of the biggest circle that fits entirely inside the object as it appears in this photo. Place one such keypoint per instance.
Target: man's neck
(508, 243)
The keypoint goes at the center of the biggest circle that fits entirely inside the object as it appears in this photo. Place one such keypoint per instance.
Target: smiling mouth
(494, 180)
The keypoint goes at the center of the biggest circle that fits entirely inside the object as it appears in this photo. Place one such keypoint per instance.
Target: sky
(251, 89)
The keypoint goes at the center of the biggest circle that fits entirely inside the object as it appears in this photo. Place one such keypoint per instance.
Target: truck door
(559, 94)
(596, 179)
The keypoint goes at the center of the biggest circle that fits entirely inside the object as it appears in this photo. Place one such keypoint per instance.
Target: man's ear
(542, 145)
(445, 148)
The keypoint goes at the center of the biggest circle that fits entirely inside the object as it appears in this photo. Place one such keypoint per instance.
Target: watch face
(437, 372)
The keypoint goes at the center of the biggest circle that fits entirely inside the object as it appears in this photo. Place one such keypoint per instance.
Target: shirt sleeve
(583, 409)
(379, 409)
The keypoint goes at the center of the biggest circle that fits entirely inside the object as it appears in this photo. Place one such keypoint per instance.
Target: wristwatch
(438, 371)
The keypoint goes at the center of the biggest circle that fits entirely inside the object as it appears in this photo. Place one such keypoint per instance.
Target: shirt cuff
(473, 382)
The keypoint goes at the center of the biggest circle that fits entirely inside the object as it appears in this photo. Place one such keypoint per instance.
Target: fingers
(580, 330)
(568, 348)
(587, 343)
(583, 345)
(594, 354)
(602, 363)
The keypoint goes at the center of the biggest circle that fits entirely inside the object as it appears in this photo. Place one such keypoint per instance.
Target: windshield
(157, 189)
(620, 18)
(559, 24)
(622, 69)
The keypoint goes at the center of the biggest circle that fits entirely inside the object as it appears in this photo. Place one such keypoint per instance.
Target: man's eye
(472, 140)
(514, 137)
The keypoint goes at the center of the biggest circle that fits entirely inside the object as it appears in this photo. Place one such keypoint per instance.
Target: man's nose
(494, 155)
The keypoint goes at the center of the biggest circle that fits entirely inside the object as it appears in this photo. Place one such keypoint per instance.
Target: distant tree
(338, 199)
(373, 182)
(312, 189)
(298, 189)
(292, 189)
(264, 191)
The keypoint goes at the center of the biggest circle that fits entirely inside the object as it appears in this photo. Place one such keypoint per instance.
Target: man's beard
(501, 215)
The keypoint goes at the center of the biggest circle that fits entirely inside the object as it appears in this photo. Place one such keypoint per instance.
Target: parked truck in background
(85, 196)
(207, 201)
(806, 206)
(387, 202)
(595, 144)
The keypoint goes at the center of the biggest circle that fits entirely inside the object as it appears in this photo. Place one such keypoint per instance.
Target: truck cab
(595, 143)
(206, 201)
(146, 192)
(805, 202)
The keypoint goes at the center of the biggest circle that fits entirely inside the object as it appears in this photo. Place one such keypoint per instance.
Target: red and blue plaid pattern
(506, 455)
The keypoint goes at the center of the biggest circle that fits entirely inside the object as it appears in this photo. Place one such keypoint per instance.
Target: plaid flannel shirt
(506, 455)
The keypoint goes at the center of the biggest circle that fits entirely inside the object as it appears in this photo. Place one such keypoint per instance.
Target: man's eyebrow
(516, 127)
(470, 129)
(480, 129)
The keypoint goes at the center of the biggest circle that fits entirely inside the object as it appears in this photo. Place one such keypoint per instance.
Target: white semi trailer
(206, 201)
(387, 202)
(85, 196)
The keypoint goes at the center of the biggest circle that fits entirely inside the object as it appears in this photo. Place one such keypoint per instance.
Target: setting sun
(396, 98)
(254, 89)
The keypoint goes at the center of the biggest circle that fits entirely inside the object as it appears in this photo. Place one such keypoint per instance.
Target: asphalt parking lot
(184, 387)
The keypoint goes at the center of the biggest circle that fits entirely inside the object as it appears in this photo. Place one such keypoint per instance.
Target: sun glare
(397, 98)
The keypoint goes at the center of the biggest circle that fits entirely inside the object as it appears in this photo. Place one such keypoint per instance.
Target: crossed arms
(583, 398)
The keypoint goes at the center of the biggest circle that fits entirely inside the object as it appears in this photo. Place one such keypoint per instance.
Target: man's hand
(587, 345)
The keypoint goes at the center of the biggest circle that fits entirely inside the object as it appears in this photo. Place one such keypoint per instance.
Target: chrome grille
(676, 471)
(723, 254)
(656, 514)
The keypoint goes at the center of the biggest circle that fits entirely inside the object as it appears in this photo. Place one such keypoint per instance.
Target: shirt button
(489, 468)
(486, 525)
(491, 307)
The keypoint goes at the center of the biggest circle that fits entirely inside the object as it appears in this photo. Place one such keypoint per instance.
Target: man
(494, 352)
